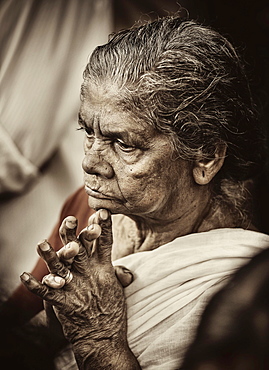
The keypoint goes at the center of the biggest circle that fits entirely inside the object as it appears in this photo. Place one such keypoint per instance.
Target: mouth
(96, 193)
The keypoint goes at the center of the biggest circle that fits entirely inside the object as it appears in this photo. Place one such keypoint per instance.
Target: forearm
(105, 354)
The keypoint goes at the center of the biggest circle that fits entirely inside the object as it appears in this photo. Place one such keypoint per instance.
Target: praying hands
(87, 294)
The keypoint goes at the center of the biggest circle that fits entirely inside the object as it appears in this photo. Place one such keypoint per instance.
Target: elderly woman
(172, 144)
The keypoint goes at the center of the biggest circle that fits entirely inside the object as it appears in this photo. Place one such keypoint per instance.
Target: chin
(111, 205)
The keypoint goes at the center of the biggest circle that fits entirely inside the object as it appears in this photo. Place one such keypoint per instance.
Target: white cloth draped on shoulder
(172, 285)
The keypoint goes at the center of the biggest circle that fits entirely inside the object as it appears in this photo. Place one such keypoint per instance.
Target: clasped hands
(87, 292)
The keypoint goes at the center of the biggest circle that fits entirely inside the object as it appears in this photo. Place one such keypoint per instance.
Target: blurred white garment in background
(45, 46)
(44, 49)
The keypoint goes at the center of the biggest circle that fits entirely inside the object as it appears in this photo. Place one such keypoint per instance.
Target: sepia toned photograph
(134, 184)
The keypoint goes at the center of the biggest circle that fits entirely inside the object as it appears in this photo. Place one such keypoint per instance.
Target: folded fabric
(16, 171)
(172, 285)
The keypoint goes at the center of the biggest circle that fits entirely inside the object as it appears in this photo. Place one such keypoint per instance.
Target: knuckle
(39, 290)
(59, 268)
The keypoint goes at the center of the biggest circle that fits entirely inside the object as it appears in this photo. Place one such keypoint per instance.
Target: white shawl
(172, 285)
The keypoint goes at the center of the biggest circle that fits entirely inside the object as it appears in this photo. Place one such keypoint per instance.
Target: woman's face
(129, 166)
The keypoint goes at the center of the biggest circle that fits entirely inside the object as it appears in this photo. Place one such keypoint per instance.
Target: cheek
(149, 169)
(145, 185)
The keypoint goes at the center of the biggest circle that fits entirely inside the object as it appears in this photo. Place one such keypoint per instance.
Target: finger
(87, 237)
(68, 230)
(97, 217)
(105, 240)
(93, 219)
(67, 253)
(53, 281)
(53, 262)
(103, 218)
(124, 275)
(50, 295)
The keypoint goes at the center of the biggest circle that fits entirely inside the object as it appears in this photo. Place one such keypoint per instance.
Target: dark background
(245, 23)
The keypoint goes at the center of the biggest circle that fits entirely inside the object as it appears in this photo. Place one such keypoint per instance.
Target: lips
(96, 193)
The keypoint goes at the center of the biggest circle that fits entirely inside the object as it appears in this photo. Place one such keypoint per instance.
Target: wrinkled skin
(91, 308)
(128, 164)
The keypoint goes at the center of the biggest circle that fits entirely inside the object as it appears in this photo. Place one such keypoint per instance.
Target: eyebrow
(123, 135)
(129, 137)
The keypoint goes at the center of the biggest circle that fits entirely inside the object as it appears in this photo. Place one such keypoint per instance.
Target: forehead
(105, 103)
(101, 93)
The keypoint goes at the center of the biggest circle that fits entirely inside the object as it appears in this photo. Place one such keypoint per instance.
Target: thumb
(124, 275)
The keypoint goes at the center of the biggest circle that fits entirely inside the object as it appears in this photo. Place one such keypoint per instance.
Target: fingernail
(71, 222)
(71, 245)
(74, 246)
(58, 279)
(103, 214)
(25, 277)
(44, 246)
(90, 227)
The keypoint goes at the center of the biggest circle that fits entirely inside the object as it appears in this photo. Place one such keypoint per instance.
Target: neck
(136, 234)
(154, 233)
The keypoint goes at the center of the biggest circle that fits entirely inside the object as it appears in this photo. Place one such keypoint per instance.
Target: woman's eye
(124, 147)
(88, 131)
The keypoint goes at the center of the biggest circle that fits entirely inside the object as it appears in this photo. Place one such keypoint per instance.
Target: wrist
(105, 354)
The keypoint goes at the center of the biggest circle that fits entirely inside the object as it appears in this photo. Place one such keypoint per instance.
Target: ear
(204, 171)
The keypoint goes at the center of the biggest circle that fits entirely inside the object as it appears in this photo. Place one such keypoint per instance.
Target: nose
(94, 163)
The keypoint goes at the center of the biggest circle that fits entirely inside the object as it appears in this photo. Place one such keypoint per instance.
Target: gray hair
(188, 81)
